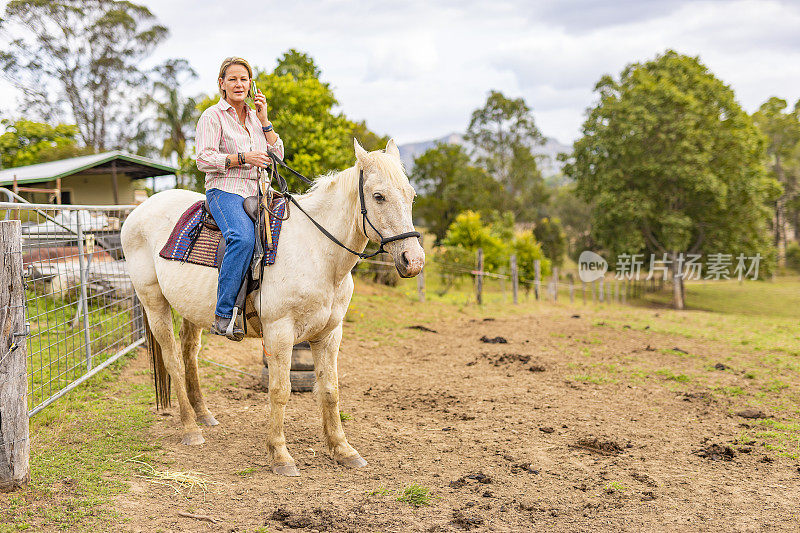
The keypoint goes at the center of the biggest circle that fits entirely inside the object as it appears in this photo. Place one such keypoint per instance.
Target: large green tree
(26, 143)
(79, 60)
(448, 183)
(502, 134)
(672, 164)
(782, 129)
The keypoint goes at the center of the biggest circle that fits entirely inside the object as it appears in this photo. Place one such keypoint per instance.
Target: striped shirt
(219, 133)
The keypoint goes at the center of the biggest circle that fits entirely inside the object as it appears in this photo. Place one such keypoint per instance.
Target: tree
(575, 215)
(27, 143)
(80, 59)
(298, 65)
(782, 130)
(672, 164)
(550, 233)
(501, 134)
(175, 115)
(448, 183)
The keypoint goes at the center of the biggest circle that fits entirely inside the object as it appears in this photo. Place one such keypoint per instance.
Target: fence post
(583, 289)
(421, 285)
(14, 432)
(536, 275)
(479, 278)
(555, 283)
(514, 278)
(616, 291)
(624, 292)
(602, 289)
(571, 290)
(84, 296)
(594, 289)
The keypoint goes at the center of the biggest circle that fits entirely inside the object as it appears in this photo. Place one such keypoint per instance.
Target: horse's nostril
(404, 257)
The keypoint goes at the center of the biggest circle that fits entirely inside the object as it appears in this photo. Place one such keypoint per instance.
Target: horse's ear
(361, 154)
(391, 149)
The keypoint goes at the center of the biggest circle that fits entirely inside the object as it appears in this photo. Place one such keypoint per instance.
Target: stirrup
(227, 329)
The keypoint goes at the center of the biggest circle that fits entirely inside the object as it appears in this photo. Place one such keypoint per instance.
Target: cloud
(417, 69)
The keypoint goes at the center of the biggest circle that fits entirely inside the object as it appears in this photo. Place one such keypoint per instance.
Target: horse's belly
(190, 289)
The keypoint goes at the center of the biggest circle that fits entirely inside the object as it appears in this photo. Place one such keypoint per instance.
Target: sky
(417, 69)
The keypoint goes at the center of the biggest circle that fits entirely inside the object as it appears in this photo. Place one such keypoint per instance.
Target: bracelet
(267, 129)
(241, 158)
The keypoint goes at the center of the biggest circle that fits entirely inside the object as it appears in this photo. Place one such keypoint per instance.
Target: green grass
(247, 471)
(670, 375)
(589, 378)
(344, 417)
(79, 455)
(416, 495)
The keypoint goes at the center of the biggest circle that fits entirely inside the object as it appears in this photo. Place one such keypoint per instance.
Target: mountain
(548, 163)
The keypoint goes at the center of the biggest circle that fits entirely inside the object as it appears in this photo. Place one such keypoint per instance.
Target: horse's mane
(347, 180)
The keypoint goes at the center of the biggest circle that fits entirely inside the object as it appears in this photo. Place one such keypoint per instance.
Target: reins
(284, 190)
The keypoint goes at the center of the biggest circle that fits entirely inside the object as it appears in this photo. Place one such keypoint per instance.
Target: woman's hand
(257, 159)
(261, 108)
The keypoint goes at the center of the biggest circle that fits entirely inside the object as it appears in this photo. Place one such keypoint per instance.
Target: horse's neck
(336, 209)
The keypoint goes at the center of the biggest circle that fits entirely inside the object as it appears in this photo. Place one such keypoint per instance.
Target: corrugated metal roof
(66, 167)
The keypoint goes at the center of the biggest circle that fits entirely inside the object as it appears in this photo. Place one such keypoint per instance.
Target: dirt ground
(505, 436)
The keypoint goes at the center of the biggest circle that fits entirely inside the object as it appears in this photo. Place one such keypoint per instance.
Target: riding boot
(220, 327)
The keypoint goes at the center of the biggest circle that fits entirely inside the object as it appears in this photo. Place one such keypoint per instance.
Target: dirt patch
(494, 340)
(717, 452)
(603, 447)
(434, 411)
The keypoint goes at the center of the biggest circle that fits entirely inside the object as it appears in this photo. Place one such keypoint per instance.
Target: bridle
(284, 191)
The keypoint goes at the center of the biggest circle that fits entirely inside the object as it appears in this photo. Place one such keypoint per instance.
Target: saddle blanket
(192, 241)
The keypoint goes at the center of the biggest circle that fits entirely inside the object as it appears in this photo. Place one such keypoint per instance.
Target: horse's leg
(159, 317)
(190, 346)
(278, 341)
(326, 354)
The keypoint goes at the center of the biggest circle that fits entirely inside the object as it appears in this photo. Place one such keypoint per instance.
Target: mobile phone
(253, 90)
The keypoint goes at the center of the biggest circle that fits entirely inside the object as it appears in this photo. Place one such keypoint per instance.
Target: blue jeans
(240, 240)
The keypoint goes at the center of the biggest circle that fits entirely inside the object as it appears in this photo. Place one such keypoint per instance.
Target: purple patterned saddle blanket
(192, 241)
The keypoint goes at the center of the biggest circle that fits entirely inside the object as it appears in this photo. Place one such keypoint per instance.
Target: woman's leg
(240, 237)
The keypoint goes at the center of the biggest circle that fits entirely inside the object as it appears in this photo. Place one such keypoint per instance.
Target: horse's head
(388, 197)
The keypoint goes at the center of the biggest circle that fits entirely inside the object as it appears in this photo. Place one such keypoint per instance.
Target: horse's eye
(379, 197)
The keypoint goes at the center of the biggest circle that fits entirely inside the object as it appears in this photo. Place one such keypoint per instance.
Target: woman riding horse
(232, 143)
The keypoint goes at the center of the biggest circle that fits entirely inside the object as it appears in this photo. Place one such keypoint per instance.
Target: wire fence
(80, 308)
(507, 286)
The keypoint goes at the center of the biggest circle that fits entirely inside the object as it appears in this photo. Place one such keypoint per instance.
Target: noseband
(284, 190)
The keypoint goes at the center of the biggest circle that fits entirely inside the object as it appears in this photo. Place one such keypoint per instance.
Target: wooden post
(602, 290)
(536, 276)
(571, 291)
(14, 434)
(624, 292)
(421, 285)
(514, 278)
(583, 289)
(616, 291)
(594, 288)
(114, 182)
(58, 191)
(479, 277)
(421, 280)
(555, 284)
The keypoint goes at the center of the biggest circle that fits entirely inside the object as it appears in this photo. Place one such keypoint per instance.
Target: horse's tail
(161, 378)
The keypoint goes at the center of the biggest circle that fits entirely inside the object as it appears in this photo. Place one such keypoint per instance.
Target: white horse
(303, 296)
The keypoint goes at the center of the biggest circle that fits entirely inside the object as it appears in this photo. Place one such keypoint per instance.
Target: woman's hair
(232, 61)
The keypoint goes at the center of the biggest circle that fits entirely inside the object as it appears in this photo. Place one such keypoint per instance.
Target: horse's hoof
(286, 469)
(193, 439)
(354, 461)
(207, 420)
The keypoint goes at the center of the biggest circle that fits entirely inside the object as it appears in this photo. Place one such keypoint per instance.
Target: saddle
(258, 209)
(197, 239)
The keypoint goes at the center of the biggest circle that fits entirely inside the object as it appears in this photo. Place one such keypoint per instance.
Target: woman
(232, 142)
